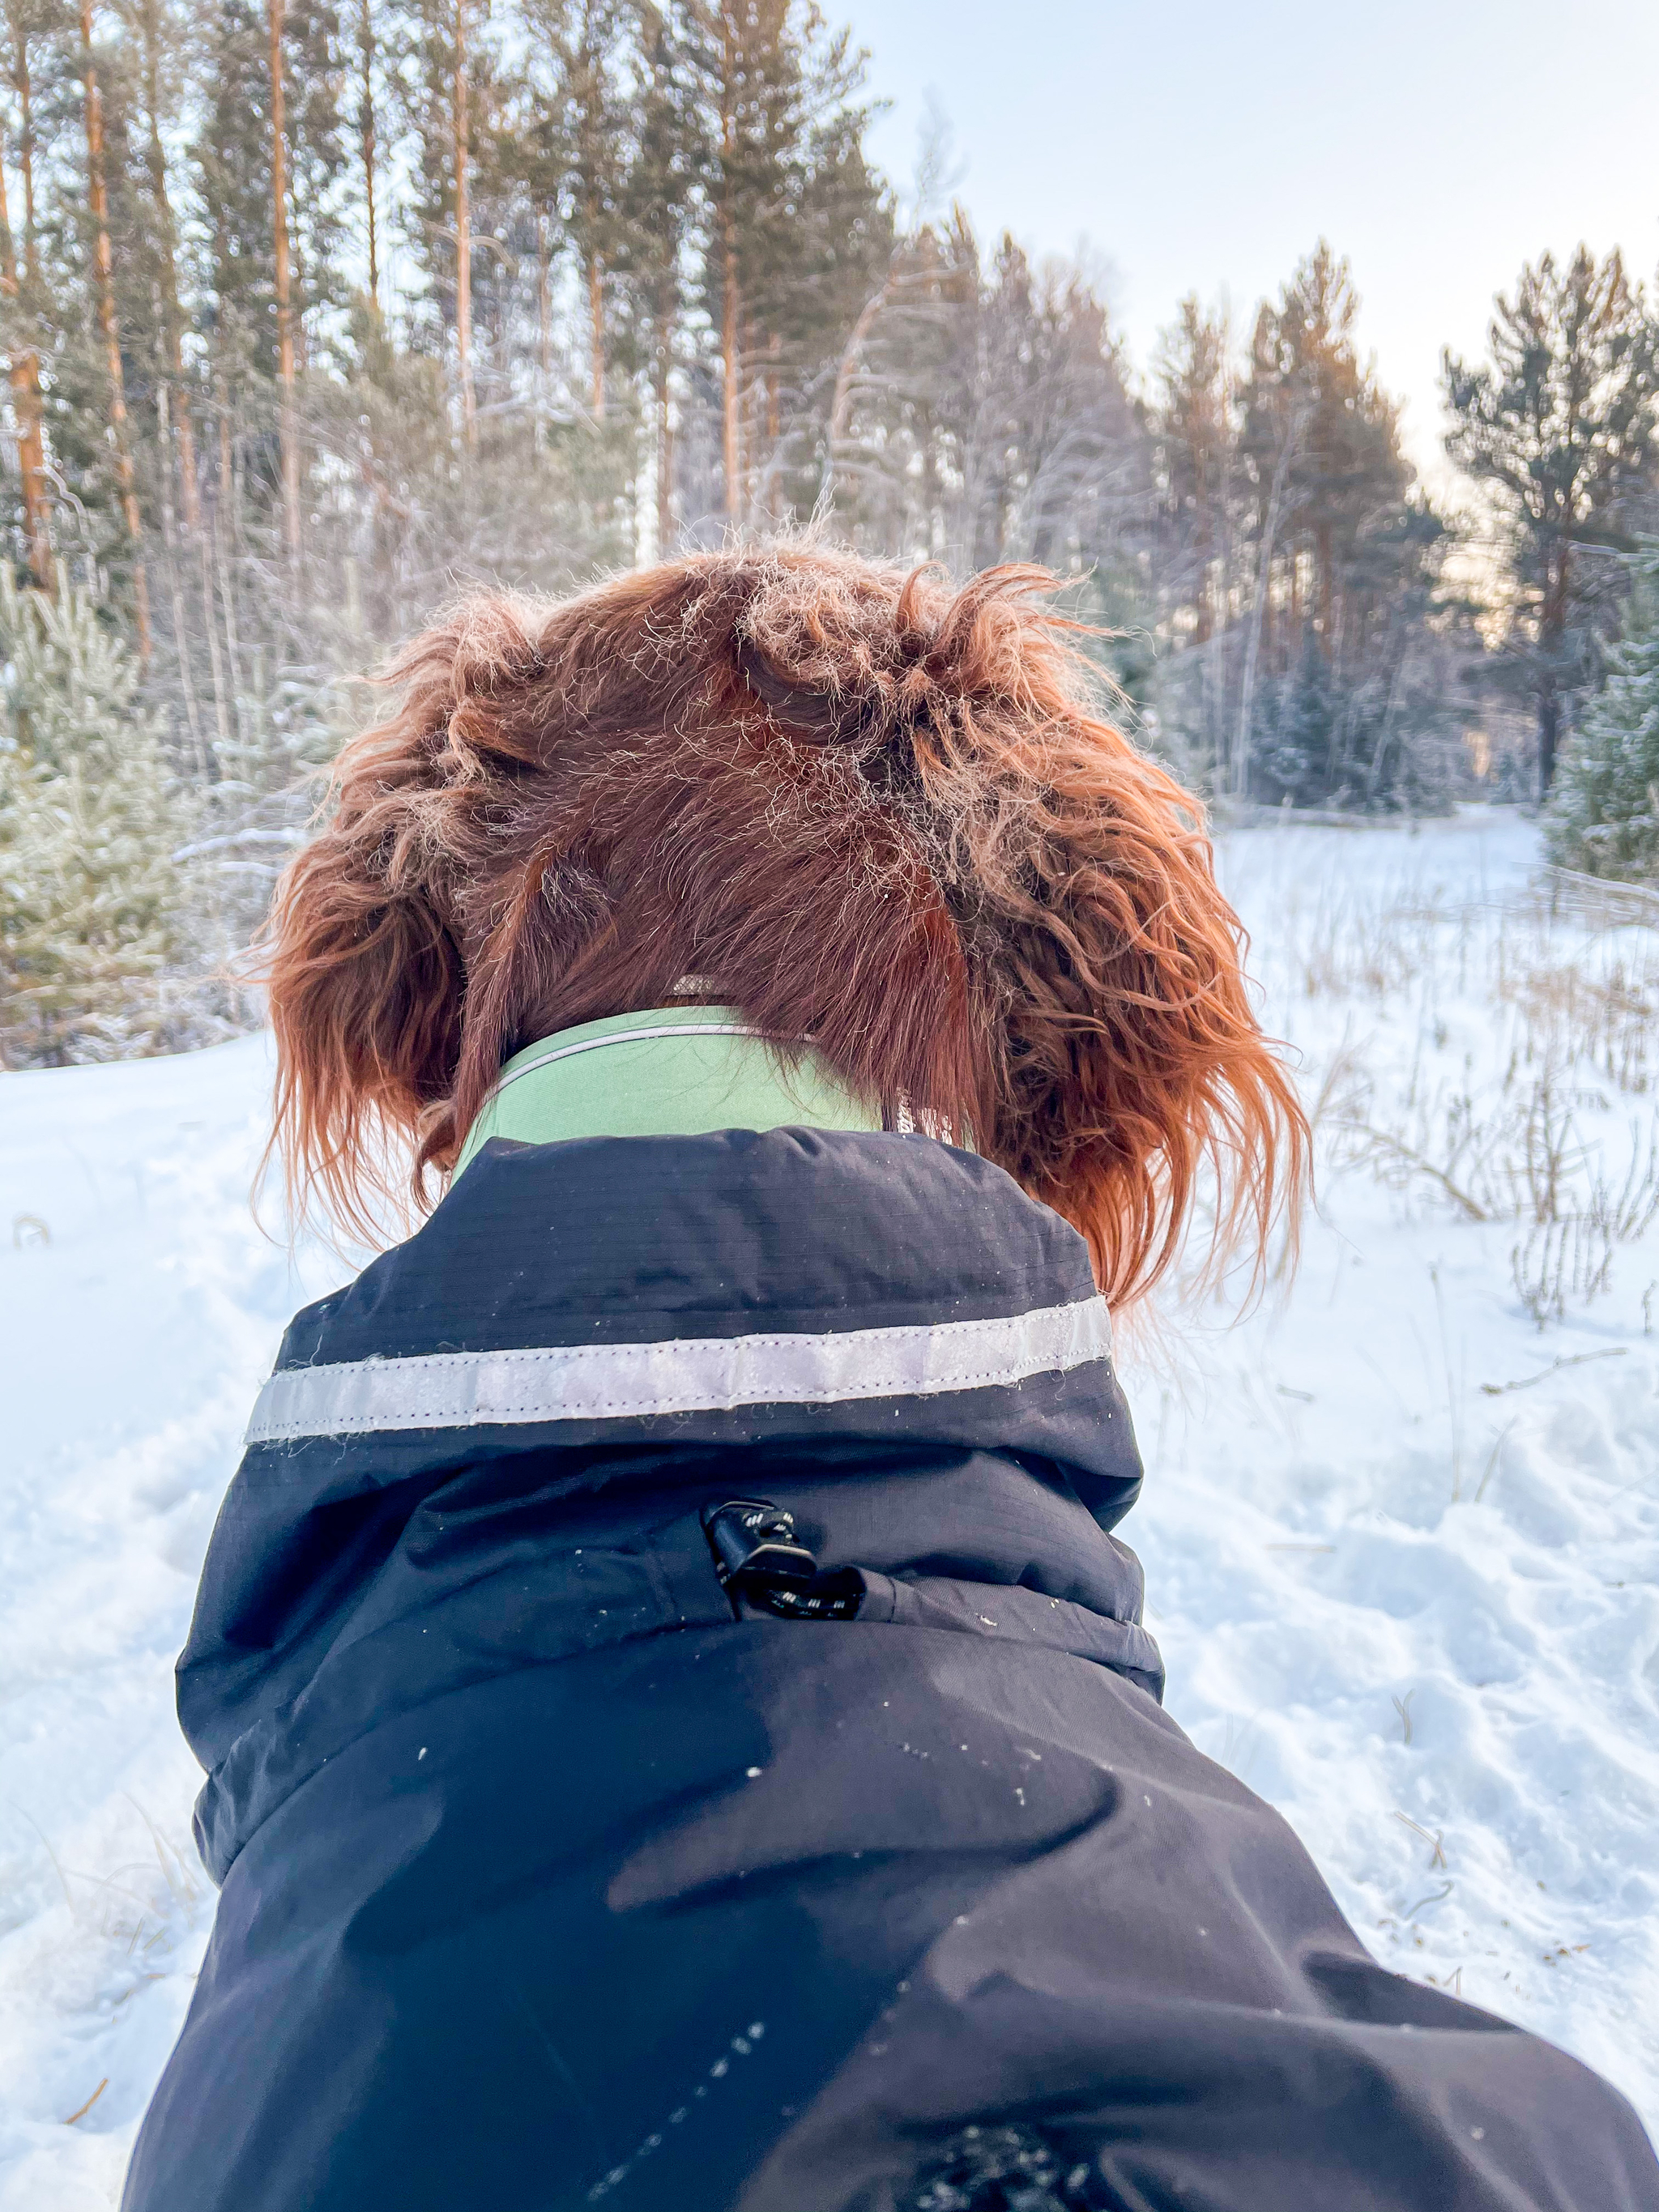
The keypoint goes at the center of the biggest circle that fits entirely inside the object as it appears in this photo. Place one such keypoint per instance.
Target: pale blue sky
(1206, 146)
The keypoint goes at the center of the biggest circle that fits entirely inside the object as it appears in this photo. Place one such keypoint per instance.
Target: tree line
(312, 312)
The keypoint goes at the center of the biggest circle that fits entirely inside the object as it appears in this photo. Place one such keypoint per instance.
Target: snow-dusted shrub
(94, 905)
(1604, 812)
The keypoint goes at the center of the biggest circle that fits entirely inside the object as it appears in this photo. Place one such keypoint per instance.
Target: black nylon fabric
(547, 1882)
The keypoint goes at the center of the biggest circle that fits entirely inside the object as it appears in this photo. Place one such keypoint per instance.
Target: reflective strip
(684, 1374)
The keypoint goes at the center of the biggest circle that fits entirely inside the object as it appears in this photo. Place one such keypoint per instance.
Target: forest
(312, 314)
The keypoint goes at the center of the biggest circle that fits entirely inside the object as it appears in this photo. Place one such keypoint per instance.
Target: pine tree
(669, 158)
(453, 92)
(126, 473)
(1338, 547)
(93, 899)
(775, 91)
(1604, 814)
(232, 160)
(1562, 422)
(587, 158)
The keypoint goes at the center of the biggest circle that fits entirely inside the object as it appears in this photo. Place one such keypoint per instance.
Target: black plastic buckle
(761, 1562)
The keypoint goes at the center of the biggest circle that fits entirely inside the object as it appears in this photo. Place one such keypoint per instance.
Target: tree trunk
(169, 539)
(756, 479)
(543, 304)
(25, 370)
(182, 432)
(1552, 631)
(367, 142)
(731, 304)
(1241, 775)
(1549, 732)
(662, 365)
(596, 331)
(460, 125)
(544, 331)
(290, 432)
(210, 624)
(227, 517)
(25, 375)
(103, 262)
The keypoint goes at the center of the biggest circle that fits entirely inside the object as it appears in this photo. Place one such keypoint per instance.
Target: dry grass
(1499, 1058)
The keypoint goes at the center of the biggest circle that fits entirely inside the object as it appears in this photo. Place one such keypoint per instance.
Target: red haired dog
(679, 1729)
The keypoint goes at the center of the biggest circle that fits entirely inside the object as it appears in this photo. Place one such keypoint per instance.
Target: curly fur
(872, 811)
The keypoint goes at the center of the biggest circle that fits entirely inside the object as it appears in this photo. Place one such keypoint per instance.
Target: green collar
(666, 1070)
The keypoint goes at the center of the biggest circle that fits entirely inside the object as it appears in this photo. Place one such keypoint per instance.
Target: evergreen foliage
(94, 898)
(1562, 423)
(1604, 819)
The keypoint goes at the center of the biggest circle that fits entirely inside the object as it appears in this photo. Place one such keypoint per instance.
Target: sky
(1206, 148)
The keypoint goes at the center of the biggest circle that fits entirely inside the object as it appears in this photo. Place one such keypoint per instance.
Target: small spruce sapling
(1604, 816)
(93, 903)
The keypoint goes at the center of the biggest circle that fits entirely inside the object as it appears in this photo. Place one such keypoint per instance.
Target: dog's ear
(366, 985)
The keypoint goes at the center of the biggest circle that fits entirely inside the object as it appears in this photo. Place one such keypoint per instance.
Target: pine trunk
(731, 302)
(596, 331)
(730, 306)
(289, 432)
(103, 262)
(543, 305)
(226, 520)
(1552, 631)
(183, 433)
(25, 372)
(170, 541)
(367, 142)
(25, 375)
(1260, 611)
(463, 233)
(663, 363)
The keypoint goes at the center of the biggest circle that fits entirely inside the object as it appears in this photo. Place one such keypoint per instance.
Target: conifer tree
(452, 92)
(1327, 520)
(1562, 422)
(93, 900)
(233, 161)
(587, 157)
(787, 200)
(109, 325)
(668, 161)
(1604, 813)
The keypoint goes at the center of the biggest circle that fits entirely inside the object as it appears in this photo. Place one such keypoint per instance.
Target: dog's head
(869, 810)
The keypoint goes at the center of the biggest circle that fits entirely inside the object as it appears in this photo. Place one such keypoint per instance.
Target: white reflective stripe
(686, 1375)
(626, 1036)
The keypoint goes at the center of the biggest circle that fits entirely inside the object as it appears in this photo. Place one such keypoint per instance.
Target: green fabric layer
(605, 1079)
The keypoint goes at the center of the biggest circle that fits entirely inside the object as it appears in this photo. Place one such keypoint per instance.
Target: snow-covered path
(1415, 1605)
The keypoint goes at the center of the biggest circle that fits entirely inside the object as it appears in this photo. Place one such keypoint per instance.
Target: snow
(134, 1341)
(1415, 1606)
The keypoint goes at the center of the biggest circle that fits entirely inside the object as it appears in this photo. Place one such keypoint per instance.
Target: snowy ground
(1402, 1541)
